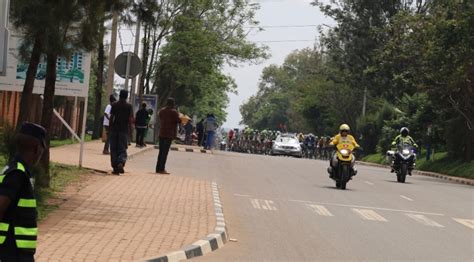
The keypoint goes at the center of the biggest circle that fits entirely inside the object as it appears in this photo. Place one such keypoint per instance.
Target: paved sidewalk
(132, 217)
(93, 157)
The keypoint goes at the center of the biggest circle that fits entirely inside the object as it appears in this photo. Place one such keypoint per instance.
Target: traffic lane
(422, 192)
(289, 178)
(239, 178)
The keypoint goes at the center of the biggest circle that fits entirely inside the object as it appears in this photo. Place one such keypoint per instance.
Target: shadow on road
(393, 181)
(335, 188)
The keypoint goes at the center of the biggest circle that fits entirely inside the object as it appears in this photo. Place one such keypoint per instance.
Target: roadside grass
(58, 143)
(49, 199)
(440, 163)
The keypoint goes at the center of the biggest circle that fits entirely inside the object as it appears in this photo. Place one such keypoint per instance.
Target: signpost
(3, 36)
(128, 65)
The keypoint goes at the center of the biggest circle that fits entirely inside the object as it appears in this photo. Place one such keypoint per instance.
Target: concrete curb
(188, 150)
(207, 244)
(131, 156)
(459, 180)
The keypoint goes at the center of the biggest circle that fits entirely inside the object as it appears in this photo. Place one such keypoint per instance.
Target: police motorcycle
(402, 160)
(342, 165)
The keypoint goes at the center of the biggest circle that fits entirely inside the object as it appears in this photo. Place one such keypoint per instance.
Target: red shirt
(169, 120)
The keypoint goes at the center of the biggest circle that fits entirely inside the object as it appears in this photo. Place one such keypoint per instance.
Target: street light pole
(4, 7)
(113, 46)
(136, 50)
(364, 105)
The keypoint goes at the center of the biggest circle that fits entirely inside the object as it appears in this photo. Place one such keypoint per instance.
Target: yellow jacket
(348, 139)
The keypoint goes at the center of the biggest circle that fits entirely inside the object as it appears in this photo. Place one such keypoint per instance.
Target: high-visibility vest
(20, 221)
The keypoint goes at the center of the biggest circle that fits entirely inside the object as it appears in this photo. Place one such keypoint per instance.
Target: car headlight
(405, 152)
(345, 152)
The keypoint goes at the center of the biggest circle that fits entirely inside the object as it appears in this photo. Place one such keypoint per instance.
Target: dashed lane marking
(368, 214)
(424, 220)
(467, 222)
(369, 183)
(263, 204)
(240, 195)
(406, 198)
(320, 210)
(368, 207)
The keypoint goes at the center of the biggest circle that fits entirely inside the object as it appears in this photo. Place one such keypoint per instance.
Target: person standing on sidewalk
(188, 131)
(169, 121)
(18, 216)
(106, 124)
(141, 124)
(121, 119)
(210, 126)
(200, 132)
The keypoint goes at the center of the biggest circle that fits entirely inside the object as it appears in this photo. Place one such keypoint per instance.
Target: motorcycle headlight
(405, 152)
(345, 152)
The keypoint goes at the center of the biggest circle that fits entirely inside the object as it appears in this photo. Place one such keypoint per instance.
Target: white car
(287, 145)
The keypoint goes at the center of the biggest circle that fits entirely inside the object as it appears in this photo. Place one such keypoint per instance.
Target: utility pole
(4, 7)
(113, 46)
(364, 105)
(136, 50)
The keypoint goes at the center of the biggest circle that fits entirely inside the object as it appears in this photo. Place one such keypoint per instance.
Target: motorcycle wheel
(403, 173)
(344, 176)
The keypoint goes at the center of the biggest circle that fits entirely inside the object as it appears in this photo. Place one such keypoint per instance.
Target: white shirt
(108, 108)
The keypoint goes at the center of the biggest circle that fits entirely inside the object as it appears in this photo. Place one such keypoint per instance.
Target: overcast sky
(272, 13)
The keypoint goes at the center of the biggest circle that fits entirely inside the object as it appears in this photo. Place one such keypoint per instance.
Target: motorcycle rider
(404, 138)
(341, 138)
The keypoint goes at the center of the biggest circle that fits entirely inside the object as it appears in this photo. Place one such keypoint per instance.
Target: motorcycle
(342, 167)
(405, 157)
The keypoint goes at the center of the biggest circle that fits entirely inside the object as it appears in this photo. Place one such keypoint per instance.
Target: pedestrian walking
(200, 132)
(141, 123)
(106, 124)
(18, 215)
(121, 119)
(210, 127)
(169, 121)
(188, 131)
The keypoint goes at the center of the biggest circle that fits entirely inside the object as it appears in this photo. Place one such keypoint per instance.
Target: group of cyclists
(254, 141)
(314, 147)
(251, 141)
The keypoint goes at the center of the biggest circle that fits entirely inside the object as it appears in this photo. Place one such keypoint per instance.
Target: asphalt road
(286, 209)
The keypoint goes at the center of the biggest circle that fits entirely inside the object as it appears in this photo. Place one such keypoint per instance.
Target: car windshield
(287, 140)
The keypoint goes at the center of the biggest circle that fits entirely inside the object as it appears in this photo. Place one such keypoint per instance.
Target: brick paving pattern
(125, 218)
(93, 157)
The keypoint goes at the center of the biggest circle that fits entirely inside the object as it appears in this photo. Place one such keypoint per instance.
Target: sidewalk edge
(131, 156)
(459, 180)
(206, 245)
(188, 150)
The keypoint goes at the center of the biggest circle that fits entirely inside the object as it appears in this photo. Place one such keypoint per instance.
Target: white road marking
(368, 214)
(467, 222)
(368, 207)
(369, 183)
(424, 220)
(239, 195)
(263, 204)
(320, 210)
(406, 198)
(255, 203)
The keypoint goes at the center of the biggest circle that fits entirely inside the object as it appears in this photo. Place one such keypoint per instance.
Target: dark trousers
(118, 148)
(16, 257)
(140, 136)
(107, 140)
(200, 139)
(165, 144)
